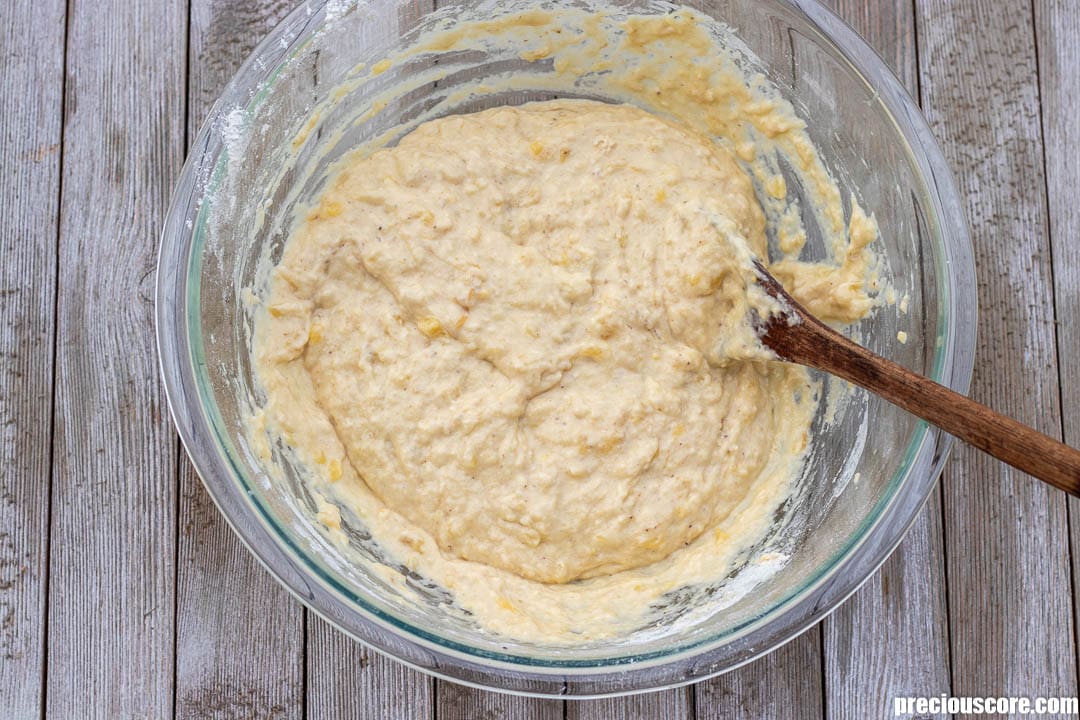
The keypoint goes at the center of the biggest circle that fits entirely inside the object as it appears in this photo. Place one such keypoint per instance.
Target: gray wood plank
(1010, 613)
(783, 685)
(458, 702)
(889, 27)
(31, 80)
(675, 704)
(239, 636)
(891, 638)
(112, 551)
(227, 663)
(364, 683)
(1057, 36)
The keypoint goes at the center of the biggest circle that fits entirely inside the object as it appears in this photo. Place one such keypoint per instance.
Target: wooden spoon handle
(1006, 439)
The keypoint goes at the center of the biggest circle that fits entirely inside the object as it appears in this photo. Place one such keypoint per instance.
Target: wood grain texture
(1011, 626)
(770, 687)
(239, 635)
(364, 683)
(112, 551)
(458, 702)
(890, 639)
(676, 704)
(888, 26)
(1057, 36)
(31, 80)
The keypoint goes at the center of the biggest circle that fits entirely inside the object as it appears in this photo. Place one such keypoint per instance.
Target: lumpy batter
(518, 346)
(521, 324)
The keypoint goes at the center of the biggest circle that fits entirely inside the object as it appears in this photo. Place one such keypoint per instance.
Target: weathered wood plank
(31, 80)
(112, 551)
(785, 685)
(891, 638)
(227, 664)
(458, 702)
(364, 683)
(676, 704)
(239, 636)
(1057, 36)
(1010, 616)
(889, 27)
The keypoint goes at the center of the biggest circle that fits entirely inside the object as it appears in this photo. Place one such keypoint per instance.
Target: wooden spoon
(797, 336)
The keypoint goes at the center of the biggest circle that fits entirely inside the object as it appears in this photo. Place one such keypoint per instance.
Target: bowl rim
(869, 546)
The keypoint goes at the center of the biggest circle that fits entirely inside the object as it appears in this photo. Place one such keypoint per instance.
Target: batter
(520, 323)
(519, 346)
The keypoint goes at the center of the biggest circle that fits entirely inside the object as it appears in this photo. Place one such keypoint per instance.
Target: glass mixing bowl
(304, 97)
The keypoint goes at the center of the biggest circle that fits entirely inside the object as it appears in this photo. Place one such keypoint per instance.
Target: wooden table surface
(124, 595)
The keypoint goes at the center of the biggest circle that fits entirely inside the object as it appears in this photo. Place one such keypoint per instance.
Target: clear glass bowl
(260, 153)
